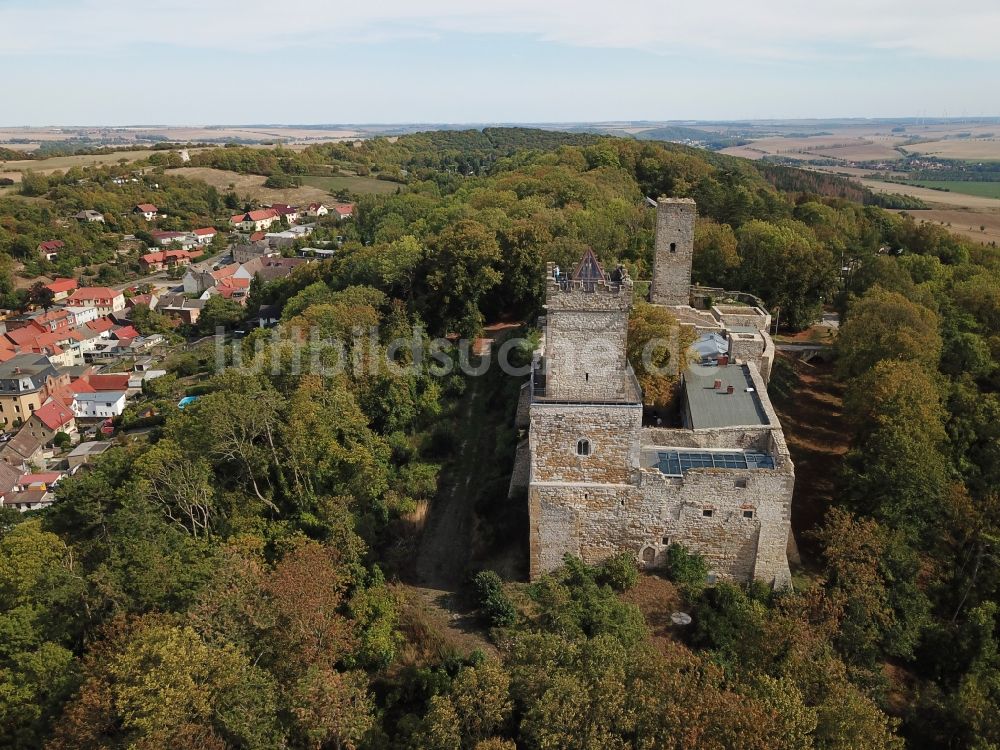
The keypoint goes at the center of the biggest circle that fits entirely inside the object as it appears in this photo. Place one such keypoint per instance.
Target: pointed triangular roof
(589, 268)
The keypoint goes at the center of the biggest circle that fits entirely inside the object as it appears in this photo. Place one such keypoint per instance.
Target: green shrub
(494, 602)
(61, 440)
(687, 569)
(620, 572)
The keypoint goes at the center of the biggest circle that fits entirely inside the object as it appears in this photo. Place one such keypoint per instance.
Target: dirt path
(809, 403)
(440, 571)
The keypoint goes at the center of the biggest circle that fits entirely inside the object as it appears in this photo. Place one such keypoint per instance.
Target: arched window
(583, 447)
(673, 247)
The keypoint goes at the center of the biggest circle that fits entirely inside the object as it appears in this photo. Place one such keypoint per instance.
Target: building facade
(600, 480)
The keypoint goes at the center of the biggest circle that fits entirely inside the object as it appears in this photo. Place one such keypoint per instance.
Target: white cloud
(761, 30)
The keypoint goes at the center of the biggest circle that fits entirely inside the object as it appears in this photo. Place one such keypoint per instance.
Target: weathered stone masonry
(595, 486)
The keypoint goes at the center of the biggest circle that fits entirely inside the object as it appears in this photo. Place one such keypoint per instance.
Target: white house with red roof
(106, 300)
(317, 209)
(62, 288)
(254, 221)
(148, 211)
(205, 235)
(163, 259)
(344, 210)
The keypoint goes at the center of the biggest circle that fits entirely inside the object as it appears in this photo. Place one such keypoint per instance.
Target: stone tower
(673, 251)
(585, 333)
(585, 411)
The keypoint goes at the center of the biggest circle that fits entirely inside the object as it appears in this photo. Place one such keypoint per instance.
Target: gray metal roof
(711, 407)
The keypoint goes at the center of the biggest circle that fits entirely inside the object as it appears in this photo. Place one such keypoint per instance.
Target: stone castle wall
(612, 432)
(673, 251)
(596, 521)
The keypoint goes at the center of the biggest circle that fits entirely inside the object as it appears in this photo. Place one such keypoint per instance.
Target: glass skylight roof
(675, 463)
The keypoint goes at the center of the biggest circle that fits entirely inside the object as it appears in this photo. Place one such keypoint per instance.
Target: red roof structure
(62, 285)
(117, 381)
(54, 415)
(147, 208)
(50, 246)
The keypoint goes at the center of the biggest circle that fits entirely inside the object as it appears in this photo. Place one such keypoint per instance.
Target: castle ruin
(601, 480)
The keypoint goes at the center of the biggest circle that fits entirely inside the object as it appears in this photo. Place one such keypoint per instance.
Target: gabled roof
(54, 415)
(50, 245)
(589, 268)
(100, 325)
(79, 385)
(205, 232)
(47, 477)
(344, 208)
(90, 293)
(62, 285)
(147, 208)
(125, 332)
(110, 382)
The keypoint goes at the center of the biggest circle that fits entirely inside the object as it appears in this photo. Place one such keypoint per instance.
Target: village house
(182, 240)
(89, 216)
(164, 259)
(289, 213)
(205, 235)
(245, 252)
(61, 288)
(106, 300)
(344, 210)
(50, 249)
(26, 381)
(81, 314)
(99, 404)
(49, 420)
(179, 307)
(254, 221)
(147, 210)
(86, 452)
(317, 209)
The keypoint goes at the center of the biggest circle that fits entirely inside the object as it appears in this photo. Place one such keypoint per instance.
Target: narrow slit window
(673, 247)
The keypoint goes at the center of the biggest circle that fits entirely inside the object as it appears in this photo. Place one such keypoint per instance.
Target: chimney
(730, 389)
(723, 360)
(717, 385)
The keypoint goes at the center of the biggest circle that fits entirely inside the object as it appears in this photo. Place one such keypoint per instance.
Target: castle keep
(601, 481)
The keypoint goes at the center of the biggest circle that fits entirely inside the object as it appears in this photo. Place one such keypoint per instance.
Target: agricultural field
(980, 226)
(56, 163)
(351, 182)
(968, 149)
(966, 187)
(936, 197)
(251, 186)
(314, 188)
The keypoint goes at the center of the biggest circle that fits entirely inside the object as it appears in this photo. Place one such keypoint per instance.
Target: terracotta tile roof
(126, 332)
(47, 477)
(205, 232)
(94, 294)
(100, 325)
(147, 208)
(344, 209)
(225, 272)
(53, 415)
(81, 386)
(50, 245)
(62, 285)
(117, 381)
(25, 335)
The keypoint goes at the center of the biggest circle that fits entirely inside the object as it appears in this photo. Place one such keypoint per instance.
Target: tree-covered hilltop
(233, 580)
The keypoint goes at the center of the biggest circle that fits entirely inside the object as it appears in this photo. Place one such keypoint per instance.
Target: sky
(201, 62)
